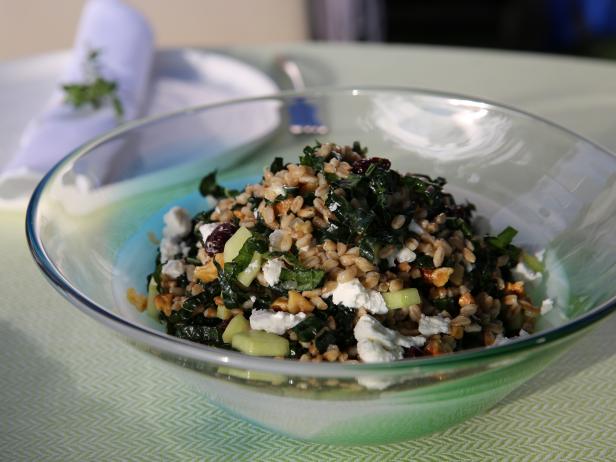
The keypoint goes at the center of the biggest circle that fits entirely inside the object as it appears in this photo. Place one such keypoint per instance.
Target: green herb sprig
(96, 91)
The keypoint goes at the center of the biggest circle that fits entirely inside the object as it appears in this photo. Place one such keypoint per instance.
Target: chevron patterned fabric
(70, 390)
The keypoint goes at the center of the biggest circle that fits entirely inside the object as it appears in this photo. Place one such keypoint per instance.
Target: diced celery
(532, 262)
(251, 271)
(402, 298)
(260, 343)
(152, 292)
(235, 243)
(223, 312)
(238, 324)
(252, 375)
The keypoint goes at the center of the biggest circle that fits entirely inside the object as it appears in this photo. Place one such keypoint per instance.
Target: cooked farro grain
(317, 246)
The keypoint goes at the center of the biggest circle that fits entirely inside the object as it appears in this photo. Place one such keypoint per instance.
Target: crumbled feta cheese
(207, 229)
(353, 294)
(432, 325)
(275, 238)
(278, 190)
(271, 271)
(375, 383)
(414, 227)
(500, 340)
(333, 206)
(173, 268)
(377, 343)
(177, 223)
(523, 272)
(248, 304)
(404, 255)
(547, 305)
(168, 249)
(276, 322)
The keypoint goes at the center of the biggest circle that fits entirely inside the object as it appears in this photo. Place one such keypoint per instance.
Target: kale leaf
(299, 278)
(256, 243)
(277, 165)
(310, 159)
(201, 334)
(308, 329)
(503, 239)
(209, 187)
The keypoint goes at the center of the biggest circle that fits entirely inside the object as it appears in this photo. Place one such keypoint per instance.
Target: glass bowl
(89, 220)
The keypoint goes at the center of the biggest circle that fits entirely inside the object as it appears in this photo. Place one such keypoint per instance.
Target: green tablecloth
(72, 390)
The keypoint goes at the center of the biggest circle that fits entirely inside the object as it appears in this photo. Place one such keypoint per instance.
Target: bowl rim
(161, 341)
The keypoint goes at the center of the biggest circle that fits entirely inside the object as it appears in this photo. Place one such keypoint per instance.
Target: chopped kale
(503, 239)
(424, 261)
(324, 340)
(256, 243)
(369, 248)
(333, 232)
(156, 274)
(356, 219)
(358, 149)
(277, 165)
(446, 304)
(300, 279)
(344, 318)
(193, 261)
(201, 334)
(232, 292)
(462, 225)
(204, 217)
(296, 350)
(209, 187)
(309, 328)
(192, 304)
(310, 159)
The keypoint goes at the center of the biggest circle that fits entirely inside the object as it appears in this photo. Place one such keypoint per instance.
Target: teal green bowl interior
(89, 219)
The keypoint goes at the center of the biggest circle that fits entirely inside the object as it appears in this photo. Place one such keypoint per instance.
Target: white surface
(125, 57)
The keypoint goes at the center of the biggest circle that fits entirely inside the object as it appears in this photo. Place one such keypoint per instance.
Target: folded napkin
(126, 47)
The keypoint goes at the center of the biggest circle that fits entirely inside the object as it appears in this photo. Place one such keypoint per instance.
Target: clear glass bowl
(88, 224)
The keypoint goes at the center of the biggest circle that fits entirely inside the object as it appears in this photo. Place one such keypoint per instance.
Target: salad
(338, 258)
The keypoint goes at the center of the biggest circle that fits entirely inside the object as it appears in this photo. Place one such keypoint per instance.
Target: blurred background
(579, 27)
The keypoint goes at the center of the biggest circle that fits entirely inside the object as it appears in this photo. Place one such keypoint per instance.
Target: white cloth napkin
(126, 45)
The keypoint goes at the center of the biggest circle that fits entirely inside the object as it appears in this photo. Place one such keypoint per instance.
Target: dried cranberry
(360, 166)
(215, 242)
(413, 352)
